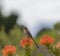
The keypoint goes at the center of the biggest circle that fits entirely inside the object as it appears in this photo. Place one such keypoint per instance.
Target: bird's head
(25, 29)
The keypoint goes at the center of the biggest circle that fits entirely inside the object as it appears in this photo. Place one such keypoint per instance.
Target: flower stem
(27, 51)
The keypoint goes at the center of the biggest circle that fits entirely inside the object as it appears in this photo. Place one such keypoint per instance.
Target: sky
(35, 14)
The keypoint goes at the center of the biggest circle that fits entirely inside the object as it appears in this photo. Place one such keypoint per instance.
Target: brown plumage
(28, 34)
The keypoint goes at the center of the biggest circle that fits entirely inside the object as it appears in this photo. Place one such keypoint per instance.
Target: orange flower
(8, 49)
(26, 42)
(57, 45)
(46, 40)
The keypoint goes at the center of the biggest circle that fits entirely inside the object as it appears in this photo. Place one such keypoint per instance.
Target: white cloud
(35, 13)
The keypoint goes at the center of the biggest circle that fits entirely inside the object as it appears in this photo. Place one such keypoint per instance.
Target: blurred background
(40, 17)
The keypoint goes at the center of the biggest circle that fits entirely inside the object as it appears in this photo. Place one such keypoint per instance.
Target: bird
(28, 34)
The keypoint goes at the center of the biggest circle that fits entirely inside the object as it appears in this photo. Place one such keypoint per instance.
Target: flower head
(57, 45)
(8, 49)
(46, 40)
(26, 42)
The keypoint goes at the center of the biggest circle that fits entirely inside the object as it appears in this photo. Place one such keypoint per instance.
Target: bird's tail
(34, 42)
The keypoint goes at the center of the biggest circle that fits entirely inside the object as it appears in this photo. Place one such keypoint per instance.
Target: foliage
(57, 26)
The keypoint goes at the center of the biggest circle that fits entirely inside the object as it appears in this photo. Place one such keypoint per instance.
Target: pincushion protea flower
(46, 40)
(9, 50)
(57, 45)
(57, 49)
(26, 42)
